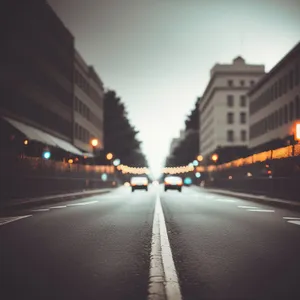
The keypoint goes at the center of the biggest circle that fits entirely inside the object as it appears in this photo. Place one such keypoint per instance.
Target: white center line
(163, 281)
(294, 222)
(248, 207)
(83, 203)
(12, 219)
(225, 200)
(54, 207)
(291, 218)
(41, 209)
(261, 210)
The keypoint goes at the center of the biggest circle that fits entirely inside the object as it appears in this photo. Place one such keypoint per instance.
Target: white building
(223, 108)
(88, 105)
(275, 101)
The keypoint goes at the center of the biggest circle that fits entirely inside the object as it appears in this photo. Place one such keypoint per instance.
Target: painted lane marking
(225, 200)
(41, 209)
(261, 210)
(4, 221)
(294, 222)
(291, 218)
(248, 207)
(54, 207)
(163, 280)
(83, 203)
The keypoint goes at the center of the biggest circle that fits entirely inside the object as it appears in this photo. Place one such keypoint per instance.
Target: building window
(286, 114)
(281, 113)
(284, 85)
(297, 107)
(230, 118)
(291, 79)
(243, 101)
(291, 111)
(76, 104)
(76, 130)
(297, 74)
(252, 82)
(276, 119)
(80, 133)
(80, 107)
(269, 122)
(280, 89)
(243, 135)
(242, 82)
(275, 90)
(243, 118)
(230, 82)
(230, 136)
(230, 100)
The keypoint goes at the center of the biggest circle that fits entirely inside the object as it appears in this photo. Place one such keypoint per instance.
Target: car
(173, 183)
(139, 183)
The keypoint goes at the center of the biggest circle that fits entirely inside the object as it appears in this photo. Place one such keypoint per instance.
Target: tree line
(120, 136)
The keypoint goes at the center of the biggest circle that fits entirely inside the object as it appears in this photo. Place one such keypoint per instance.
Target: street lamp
(199, 157)
(297, 132)
(214, 157)
(94, 143)
(109, 156)
(116, 162)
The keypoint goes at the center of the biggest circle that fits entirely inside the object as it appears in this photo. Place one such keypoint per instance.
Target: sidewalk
(52, 198)
(253, 197)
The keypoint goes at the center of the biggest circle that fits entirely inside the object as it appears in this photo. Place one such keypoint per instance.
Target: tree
(120, 137)
(188, 148)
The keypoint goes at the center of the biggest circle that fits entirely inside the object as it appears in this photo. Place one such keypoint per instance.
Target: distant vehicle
(173, 183)
(139, 183)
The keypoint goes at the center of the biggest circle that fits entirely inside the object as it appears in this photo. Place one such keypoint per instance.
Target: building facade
(275, 103)
(48, 94)
(88, 105)
(223, 109)
(36, 74)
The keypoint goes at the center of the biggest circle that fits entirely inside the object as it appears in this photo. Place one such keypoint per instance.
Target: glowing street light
(26, 142)
(94, 142)
(297, 132)
(116, 162)
(199, 157)
(195, 163)
(47, 154)
(214, 157)
(109, 156)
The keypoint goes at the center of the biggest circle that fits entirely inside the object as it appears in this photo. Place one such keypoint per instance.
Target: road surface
(99, 247)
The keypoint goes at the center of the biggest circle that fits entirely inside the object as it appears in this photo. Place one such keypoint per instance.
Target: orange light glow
(26, 142)
(94, 142)
(214, 157)
(109, 156)
(70, 161)
(297, 132)
(199, 157)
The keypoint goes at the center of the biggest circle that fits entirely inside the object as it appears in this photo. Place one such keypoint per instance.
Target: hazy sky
(157, 54)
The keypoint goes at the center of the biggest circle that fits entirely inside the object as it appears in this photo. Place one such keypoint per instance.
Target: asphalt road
(100, 250)
(99, 247)
(224, 249)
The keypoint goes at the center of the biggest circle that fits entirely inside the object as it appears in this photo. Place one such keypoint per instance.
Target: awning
(66, 146)
(30, 132)
(87, 154)
(43, 137)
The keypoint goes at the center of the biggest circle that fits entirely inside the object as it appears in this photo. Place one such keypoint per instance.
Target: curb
(261, 199)
(24, 203)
